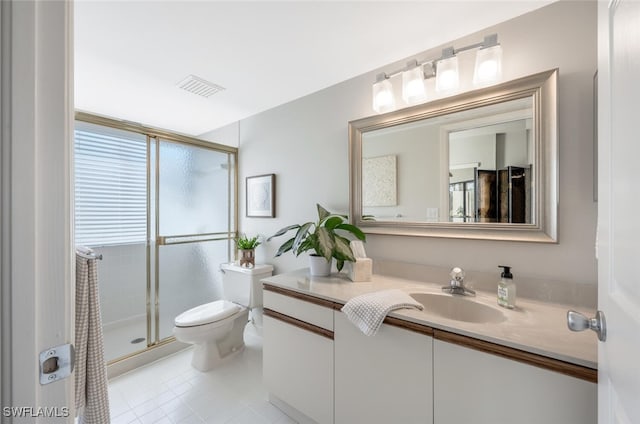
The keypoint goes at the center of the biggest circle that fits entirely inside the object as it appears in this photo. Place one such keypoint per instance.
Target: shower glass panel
(194, 197)
(111, 218)
(194, 221)
(189, 276)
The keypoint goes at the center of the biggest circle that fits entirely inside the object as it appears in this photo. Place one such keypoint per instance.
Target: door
(157, 211)
(362, 364)
(619, 227)
(195, 226)
(37, 272)
(110, 206)
(469, 387)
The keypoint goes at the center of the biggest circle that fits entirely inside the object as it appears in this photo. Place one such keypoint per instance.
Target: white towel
(367, 312)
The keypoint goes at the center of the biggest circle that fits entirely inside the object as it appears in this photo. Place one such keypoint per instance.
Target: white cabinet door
(480, 388)
(298, 368)
(386, 378)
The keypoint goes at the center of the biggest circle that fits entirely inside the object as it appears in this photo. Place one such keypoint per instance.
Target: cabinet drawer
(320, 316)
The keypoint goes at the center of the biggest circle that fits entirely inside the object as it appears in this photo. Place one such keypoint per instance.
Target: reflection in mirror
(481, 164)
(450, 164)
(490, 169)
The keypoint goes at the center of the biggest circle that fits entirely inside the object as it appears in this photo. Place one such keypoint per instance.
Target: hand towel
(91, 385)
(367, 312)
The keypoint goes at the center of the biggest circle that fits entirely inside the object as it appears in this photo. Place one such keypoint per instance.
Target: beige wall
(305, 143)
(417, 151)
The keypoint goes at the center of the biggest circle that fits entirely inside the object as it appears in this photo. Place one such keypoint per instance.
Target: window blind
(110, 188)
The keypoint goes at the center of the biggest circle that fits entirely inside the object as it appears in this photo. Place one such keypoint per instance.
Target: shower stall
(162, 210)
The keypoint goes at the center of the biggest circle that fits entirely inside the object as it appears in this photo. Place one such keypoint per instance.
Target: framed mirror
(482, 164)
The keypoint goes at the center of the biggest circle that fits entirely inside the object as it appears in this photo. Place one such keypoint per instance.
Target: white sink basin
(459, 308)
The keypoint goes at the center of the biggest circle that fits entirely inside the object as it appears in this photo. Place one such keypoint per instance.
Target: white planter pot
(319, 266)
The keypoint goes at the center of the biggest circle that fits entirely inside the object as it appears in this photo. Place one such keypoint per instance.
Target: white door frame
(37, 268)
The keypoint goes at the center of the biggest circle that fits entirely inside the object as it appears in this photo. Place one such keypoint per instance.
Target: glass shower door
(111, 197)
(195, 227)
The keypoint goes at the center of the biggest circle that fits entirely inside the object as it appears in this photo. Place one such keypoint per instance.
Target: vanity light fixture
(413, 87)
(447, 78)
(488, 61)
(383, 100)
(488, 69)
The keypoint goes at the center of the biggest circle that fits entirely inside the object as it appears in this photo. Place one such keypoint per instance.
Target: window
(110, 186)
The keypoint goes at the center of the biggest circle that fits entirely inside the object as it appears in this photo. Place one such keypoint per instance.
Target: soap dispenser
(506, 288)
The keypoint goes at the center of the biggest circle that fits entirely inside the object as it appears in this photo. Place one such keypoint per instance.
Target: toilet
(217, 328)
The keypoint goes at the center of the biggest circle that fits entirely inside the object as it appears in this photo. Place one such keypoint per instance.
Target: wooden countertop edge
(298, 323)
(298, 295)
(540, 361)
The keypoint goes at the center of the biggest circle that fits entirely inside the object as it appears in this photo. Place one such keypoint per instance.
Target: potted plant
(326, 238)
(247, 247)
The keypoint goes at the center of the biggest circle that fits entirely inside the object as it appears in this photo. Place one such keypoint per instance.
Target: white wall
(474, 149)
(229, 135)
(417, 150)
(305, 143)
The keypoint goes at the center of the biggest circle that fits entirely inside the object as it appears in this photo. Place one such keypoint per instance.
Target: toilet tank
(242, 285)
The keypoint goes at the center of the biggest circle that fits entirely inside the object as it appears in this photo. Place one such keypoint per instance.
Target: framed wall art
(379, 181)
(261, 196)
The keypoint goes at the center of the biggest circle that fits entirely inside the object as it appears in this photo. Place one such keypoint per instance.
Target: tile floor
(171, 391)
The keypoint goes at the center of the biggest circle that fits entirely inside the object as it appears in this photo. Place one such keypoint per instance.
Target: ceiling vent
(199, 86)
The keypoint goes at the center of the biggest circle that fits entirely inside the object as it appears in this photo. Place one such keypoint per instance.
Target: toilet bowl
(216, 329)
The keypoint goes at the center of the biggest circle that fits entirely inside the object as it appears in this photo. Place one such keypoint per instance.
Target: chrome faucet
(456, 284)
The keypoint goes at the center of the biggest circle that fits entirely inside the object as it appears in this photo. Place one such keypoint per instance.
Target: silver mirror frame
(542, 87)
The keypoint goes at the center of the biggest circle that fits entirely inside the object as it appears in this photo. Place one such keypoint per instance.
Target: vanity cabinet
(298, 357)
(386, 378)
(483, 388)
(319, 368)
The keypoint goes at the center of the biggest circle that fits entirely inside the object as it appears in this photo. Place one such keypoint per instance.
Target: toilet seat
(207, 313)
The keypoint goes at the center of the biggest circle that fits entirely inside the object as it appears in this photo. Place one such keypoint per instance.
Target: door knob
(578, 322)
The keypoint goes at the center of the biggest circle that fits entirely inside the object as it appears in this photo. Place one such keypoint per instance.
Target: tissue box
(360, 270)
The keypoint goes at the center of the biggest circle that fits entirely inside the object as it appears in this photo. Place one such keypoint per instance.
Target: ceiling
(130, 56)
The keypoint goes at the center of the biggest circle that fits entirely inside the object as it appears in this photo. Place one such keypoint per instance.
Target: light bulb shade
(447, 75)
(488, 66)
(383, 100)
(413, 89)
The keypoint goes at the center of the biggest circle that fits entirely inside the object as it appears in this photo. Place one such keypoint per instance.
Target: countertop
(533, 326)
